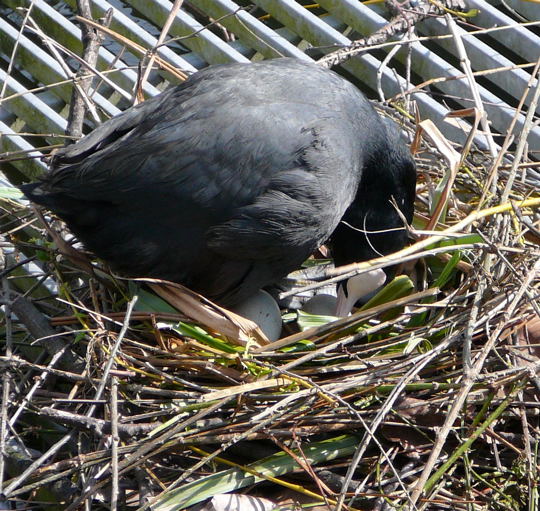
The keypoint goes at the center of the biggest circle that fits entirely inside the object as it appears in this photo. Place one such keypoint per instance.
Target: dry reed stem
(461, 357)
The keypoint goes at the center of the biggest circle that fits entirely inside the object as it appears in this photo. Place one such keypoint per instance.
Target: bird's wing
(215, 157)
(300, 206)
(107, 133)
(207, 153)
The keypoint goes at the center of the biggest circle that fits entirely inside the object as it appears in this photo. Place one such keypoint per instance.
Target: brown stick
(91, 39)
(406, 17)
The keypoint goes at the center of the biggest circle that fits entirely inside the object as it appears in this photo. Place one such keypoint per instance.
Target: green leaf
(466, 239)
(443, 278)
(399, 287)
(197, 333)
(236, 478)
(149, 302)
(307, 320)
(417, 344)
(447, 272)
(303, 345)
(10, 192)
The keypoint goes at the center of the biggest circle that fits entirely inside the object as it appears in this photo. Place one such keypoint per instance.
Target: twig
(6, 385)
(145, 450)
(91, 40)
(398, 25)
(82, 72)
(50, 86)
(522, 139)
(260, 425)
(167, 25)
(144, 486)
(12, 60)
(112, 355)
(465, 446)
(99, 426)
(439, 252)
(491, 183)
(15, 362)
(467, 68)
(39, 381)
(421, 362)
(67, 71)
(15, 483)
(342, 323)
(381, 69)
(180, 75)
(470, 375)
(38, 326)
(458, 227)
(115, 441)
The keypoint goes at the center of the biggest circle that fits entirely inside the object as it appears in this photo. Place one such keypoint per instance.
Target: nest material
(429, 395)
(442, 380)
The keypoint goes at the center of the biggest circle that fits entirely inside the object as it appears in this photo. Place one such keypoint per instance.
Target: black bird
(229, 181)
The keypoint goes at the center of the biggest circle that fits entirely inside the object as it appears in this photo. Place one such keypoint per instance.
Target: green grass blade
(236, 478)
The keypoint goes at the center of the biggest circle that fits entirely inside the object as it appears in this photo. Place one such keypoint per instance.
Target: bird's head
(375, 224)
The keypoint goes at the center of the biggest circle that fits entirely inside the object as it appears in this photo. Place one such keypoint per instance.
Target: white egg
(263, 310)
(322, 305)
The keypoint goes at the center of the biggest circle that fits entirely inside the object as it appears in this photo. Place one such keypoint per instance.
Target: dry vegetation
(427, 397)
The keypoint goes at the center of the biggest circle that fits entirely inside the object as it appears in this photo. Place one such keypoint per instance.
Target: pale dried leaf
(234, 327)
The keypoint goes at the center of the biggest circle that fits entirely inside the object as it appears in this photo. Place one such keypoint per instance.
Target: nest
(142, 394)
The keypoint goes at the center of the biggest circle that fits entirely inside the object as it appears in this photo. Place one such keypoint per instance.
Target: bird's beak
(357, 287)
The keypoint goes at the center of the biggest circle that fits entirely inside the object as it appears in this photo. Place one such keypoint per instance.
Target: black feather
(229, 181)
